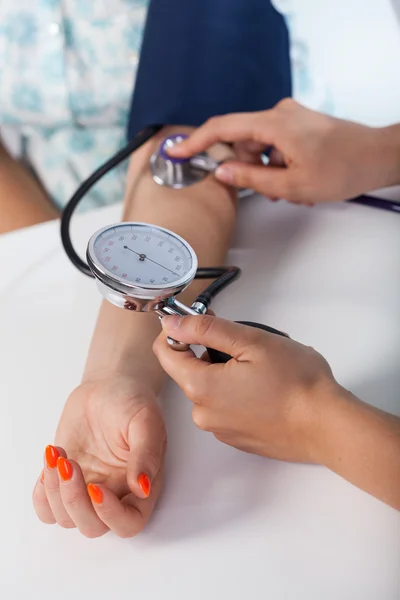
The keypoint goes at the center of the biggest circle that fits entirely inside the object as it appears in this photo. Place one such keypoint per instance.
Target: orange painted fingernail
(144, 483)
(64, 468)
(42, 476)
(51, 456)
(95, 493)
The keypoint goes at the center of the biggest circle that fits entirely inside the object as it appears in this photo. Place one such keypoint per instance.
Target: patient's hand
(112, 436)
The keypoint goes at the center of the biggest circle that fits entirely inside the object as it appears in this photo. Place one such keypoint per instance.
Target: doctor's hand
(111, 436)
(314, 157)
(266, 400)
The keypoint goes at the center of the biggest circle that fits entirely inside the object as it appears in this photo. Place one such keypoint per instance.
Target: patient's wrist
(122, 347)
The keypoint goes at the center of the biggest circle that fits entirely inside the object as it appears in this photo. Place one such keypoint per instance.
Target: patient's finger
(52, 486)
(123, 517)
(40, 502)
(76, 501)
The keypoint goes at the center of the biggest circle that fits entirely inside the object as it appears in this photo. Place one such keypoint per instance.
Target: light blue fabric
(67, 68)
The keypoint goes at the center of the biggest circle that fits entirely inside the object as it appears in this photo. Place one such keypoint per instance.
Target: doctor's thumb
(211, 332)
(266, 180)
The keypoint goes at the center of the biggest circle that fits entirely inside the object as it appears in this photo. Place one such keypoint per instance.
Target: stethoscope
(142, 267)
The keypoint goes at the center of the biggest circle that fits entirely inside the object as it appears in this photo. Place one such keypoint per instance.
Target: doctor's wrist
(387, 153)
(324, 414)
(338, 418)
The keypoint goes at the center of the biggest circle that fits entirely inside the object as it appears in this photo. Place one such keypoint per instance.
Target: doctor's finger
(249, 152)
(256, 127)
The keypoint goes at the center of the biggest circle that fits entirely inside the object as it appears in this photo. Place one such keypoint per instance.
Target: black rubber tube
(226, 277)
(140, 139)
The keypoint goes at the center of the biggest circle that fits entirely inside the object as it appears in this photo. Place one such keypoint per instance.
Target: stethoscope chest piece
(179, 173)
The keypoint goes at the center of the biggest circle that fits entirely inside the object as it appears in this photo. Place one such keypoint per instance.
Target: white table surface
(229, 525)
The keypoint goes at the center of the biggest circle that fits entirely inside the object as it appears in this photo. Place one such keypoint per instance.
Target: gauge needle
(134, 252)
(143, 256)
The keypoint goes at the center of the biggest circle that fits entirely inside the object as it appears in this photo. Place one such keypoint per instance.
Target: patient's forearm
(204, 215)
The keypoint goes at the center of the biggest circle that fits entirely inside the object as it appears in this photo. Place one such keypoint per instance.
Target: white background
(354, 49)
(229, 525)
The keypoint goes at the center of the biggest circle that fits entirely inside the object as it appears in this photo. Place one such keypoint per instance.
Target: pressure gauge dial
(139, 266)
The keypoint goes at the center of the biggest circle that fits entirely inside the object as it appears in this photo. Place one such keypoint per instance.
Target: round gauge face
(143, 255)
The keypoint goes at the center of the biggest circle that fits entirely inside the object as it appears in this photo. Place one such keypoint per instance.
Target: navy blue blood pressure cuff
(202, 58)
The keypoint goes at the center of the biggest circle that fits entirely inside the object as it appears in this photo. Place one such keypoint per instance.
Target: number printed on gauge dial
(143, 255)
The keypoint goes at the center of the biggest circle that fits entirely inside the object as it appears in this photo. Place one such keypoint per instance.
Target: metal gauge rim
(125, 286)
